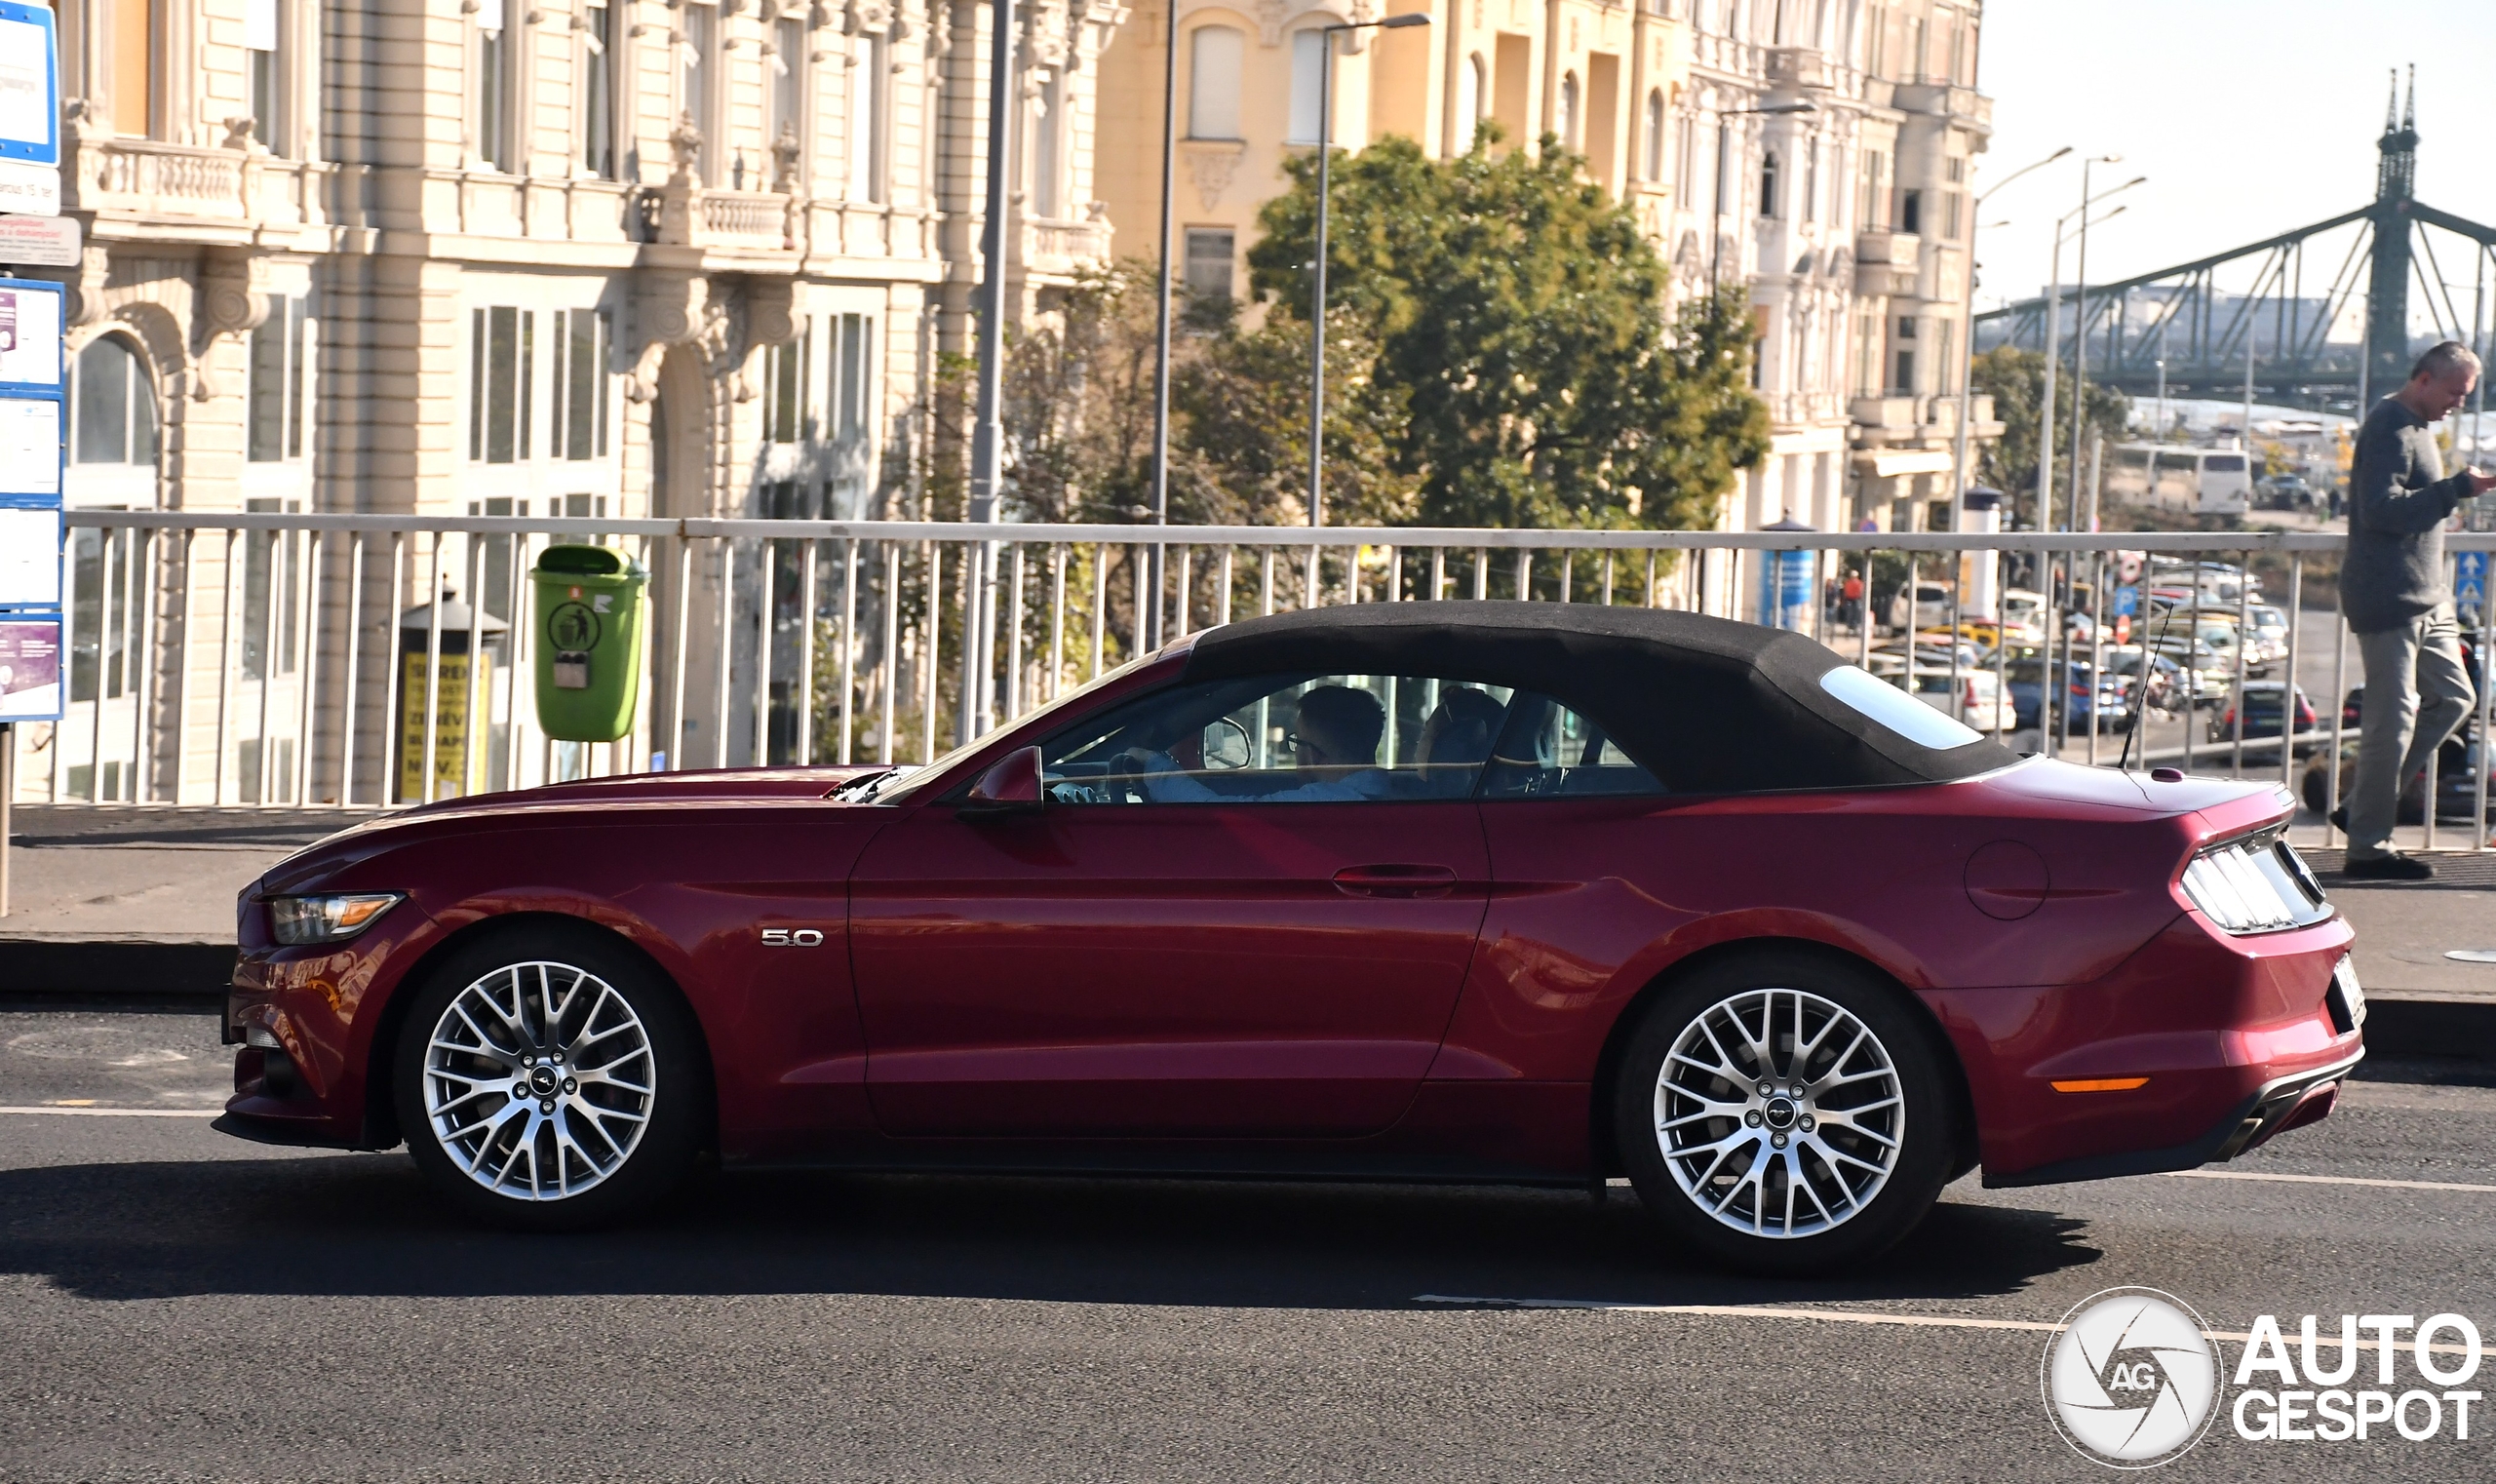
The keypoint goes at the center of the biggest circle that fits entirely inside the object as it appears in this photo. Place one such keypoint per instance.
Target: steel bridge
(2283, 323)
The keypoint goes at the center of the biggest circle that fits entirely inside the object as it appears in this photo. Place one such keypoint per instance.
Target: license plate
(2353, 998)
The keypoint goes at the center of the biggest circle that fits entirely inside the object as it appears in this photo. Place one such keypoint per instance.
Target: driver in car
(1334, 740)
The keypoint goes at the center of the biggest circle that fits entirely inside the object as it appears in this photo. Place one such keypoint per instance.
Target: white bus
(2171, 477)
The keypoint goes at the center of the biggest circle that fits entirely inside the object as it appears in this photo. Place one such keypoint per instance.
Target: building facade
(664, 257)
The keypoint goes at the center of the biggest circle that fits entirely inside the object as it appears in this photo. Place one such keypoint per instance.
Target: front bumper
(2279, 1104)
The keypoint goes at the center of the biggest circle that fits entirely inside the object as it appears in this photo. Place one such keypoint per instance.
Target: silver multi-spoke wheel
(1780, 1113)
(539, 1080)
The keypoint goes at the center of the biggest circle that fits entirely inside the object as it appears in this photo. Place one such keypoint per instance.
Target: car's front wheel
(550, 1078)
(1785, 1114)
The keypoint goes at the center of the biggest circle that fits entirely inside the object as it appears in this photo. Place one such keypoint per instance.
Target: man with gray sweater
(2391, 589)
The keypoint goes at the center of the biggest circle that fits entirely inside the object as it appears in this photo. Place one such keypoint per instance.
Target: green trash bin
(590, 607)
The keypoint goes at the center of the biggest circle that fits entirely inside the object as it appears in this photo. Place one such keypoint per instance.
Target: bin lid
(586, 562)
(455, 618)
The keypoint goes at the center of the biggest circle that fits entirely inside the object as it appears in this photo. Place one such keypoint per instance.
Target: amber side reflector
(2102, 1084)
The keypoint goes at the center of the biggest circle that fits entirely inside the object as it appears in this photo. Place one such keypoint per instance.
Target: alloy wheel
(539, 1080)
(1780, 1113)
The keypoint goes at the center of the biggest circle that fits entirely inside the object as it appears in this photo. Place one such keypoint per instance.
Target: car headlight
(2247, 886)
(327, 918)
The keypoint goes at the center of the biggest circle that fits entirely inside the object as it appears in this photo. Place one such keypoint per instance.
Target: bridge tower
(2396, 203)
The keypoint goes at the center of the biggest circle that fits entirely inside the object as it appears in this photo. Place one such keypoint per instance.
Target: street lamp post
(988, 432)
(1724, 164)
(1967, 324)
(2080, 325)
(2054, 352)
(1161, 315)
(1317, 297)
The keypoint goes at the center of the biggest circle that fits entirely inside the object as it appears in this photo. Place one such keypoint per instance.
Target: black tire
(578, 1158)
(1819, 996)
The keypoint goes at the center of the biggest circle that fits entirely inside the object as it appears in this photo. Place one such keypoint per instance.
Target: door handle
(1395, 880)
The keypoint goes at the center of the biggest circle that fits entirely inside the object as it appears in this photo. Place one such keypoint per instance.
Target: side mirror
(1011, 787)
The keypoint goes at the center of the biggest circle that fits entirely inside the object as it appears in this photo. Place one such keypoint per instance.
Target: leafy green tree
(2016, 379)
(1519, 323)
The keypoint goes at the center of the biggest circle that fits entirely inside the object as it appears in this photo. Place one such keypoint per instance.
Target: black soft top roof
(1706, 704)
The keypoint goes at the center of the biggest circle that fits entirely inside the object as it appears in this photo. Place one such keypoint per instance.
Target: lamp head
(1409, 17)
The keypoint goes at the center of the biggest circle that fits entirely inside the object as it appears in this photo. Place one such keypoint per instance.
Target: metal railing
(259, 659)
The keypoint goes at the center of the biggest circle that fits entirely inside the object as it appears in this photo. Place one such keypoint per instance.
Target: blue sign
(30, 668)
(2470, 578)
(29, 86)
(1785, 593)
(2127, 602)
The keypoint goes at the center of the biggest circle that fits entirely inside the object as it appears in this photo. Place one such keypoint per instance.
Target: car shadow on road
(367, 1224)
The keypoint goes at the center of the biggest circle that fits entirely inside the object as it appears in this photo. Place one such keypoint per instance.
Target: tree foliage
(1518, 320)
(2016, 379)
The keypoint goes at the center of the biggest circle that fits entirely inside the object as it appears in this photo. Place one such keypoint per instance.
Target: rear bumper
(2278, 1104)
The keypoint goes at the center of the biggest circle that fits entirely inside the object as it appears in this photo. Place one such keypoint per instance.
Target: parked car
(2221, 583)
(1972, 696)
(2084, 700)
(2160, 689)
(2270, 632)
(2256, 709)
(1932, 607)
(1230, 910)
(2457, 764)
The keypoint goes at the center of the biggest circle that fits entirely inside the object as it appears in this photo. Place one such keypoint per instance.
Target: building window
(1876, 194)
(1308, 78)
(1569, 110)
(581, 343)
(785, 388)
(788, 97)
(271, 577)
(493, 102)
(1213, 59)
(1472, 86)
(275, 394)
(502, 353)
(1210, 253)
(259, 53)
(1656, 136)
(1911, 211)
(696, 49)
(112, 410)
(133, 81)
(1048, 112)
(866, 141)
(1768, 184)
(1905, 385)
(1812, 181)
(598, 91)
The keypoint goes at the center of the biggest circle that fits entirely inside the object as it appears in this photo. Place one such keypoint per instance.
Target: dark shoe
(2339, 818)
(2394, 867)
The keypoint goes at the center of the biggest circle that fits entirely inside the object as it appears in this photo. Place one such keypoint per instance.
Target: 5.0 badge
(792, 937)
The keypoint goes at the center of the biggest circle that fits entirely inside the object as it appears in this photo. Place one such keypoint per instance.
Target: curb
(199, 972)
(154, 970)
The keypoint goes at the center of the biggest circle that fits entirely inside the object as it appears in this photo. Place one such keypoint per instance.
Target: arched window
(112, 429)
(1655, 135)
(1768, 184)
(1213, 82)
(1568, 109)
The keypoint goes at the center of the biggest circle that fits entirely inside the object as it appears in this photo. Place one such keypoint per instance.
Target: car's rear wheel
(1784, 1112)
(550, 1078)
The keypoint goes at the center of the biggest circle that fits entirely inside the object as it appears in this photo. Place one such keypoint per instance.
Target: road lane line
(121, 1113)
(2390, 1185)
(1852, 1316)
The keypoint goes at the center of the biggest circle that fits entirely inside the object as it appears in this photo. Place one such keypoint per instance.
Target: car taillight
(2245, 887)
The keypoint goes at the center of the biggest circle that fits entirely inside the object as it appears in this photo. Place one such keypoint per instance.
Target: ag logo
(2132, 1382)
(571, 626)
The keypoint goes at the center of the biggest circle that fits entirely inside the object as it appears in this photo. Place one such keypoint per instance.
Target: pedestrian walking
(2392, 593)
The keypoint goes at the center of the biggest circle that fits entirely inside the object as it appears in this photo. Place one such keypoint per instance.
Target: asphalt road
(174, 1305)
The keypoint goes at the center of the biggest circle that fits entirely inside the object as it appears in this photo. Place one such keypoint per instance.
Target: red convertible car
(1476, 891)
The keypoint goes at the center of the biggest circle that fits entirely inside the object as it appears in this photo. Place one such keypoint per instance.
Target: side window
(1295, 738)
(1548, 751)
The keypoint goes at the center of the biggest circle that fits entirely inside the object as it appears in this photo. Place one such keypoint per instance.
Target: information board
(31, 667)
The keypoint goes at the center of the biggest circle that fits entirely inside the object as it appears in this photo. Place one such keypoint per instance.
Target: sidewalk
(138, 901)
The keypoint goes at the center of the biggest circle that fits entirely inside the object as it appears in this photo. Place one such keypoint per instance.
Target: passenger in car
(1456, 740)
(1334, 740)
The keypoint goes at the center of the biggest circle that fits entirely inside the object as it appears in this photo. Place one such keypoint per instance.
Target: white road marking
(1851, 1317)
(121, 1113)
(2391, 1185)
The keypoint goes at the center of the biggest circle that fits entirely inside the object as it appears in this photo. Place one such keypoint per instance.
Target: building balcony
(1798, 67)
(1965, 107)
(1907, 419)
(1056, 247)
(1886, 262)
(151, 188)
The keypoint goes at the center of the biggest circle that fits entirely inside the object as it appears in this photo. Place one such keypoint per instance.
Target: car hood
(639, 793)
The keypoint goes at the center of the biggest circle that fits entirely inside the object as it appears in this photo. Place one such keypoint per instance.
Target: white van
(2194, 480)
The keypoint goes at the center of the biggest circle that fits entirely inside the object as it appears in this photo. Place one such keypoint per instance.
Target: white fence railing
(263, 659)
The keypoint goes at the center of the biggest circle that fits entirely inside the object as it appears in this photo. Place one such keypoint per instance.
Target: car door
(1194, 938)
